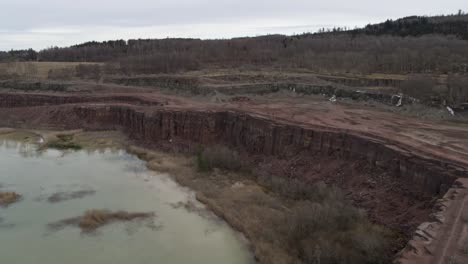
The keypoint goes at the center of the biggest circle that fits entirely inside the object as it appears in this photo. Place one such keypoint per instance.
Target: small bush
(465, 215)
(453, 260)
(298, 190)
(60, 74)
(419, 86)
(465, 247)
(89, 71)
(334, 231)
(218, 157)
(457, 89)
(323, 227)
(65, 137)
(64, 145)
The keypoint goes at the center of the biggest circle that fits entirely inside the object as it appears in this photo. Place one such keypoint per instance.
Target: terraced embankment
(395, 183)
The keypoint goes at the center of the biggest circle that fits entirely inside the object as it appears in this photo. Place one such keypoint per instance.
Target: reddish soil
(392, 166)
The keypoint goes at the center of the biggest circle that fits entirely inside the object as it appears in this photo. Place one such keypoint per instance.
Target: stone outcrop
(412, 170)
(253, 134)
(258, 135)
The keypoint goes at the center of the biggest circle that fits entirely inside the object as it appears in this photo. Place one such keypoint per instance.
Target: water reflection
(59, 185)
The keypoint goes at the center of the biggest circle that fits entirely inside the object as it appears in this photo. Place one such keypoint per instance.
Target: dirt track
(443, 144)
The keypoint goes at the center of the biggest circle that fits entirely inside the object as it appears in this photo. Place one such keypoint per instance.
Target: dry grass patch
(91, 220)
(7, 198)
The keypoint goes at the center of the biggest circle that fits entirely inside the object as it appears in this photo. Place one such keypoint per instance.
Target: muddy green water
(114, 180)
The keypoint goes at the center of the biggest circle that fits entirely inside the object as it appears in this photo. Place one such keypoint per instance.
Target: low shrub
(298, 190)
(420, 86)
(219, 157)
(464, 248)
(65, 137)
(453, 260)
(465, 215)
(60, 74)
(335, 232)
(88, 71)
(323, 227)
(62, 145)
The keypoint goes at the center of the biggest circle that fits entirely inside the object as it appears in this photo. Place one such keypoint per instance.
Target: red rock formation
(257, 135)
(393, 183)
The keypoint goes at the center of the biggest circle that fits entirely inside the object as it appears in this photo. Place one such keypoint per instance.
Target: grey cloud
(23, 18)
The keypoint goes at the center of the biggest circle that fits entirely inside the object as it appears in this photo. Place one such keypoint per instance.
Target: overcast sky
(43, 23)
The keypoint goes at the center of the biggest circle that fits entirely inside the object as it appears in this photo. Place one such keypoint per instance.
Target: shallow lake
(57, 185)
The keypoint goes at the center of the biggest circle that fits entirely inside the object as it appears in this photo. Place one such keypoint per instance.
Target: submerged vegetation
(65, 196)
(7, 198)
(91, 220)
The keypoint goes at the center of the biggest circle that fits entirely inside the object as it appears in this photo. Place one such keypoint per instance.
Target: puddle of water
(110, 180)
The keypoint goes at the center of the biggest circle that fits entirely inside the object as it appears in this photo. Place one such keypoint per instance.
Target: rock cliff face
(397, 191)
(257, 135)
(394, 184)
(252, 134)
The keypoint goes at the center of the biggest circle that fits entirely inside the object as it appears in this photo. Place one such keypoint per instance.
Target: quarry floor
(440, 140)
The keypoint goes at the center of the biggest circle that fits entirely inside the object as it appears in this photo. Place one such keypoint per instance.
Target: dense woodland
(408, 45)
(18, 55)
(456, 25)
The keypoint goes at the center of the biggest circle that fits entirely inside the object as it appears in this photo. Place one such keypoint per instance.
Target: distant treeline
(18, 55)
(329, 52)
(408, 45)
(456, 25)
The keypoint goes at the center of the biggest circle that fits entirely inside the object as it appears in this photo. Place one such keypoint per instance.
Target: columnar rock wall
(258, 135)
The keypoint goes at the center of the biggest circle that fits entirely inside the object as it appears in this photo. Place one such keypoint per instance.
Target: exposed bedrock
(257, 135)
(395, 184)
